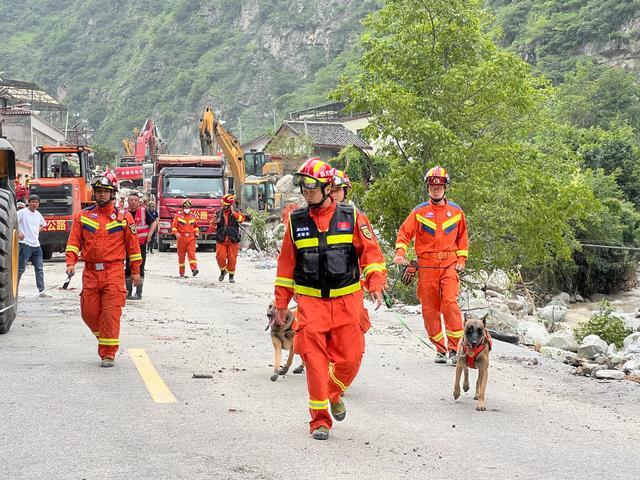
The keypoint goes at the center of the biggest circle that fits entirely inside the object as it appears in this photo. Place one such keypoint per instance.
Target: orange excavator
(253, 174)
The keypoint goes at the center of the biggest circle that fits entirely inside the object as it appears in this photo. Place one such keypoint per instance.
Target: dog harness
(472, 353)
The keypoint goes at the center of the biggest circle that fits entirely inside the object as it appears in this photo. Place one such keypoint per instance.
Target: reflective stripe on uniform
(342, 386)
(336, 239)
(455, 333)
(135, 256)
(374, 267)
(72, 248)
(451, 223)
(307, 242)
(438, 337)
(403, 246)
(334, 292)
(108, 341)
(318, 404)
(284, 282)
(462, 253)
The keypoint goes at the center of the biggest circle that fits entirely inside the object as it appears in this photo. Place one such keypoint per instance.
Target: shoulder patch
(366, 231)
(133, 228)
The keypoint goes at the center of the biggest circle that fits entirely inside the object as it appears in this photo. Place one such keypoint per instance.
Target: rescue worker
(227, 221)
(146, 226)
(441, 244)
(325, 246)
(185, 228)
(341, 185)
(105, 236)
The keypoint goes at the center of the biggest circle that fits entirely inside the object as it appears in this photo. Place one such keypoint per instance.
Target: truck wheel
(9, 253)
(47, 252)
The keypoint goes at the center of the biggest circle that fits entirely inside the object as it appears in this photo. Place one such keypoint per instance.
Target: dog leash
(418, 337)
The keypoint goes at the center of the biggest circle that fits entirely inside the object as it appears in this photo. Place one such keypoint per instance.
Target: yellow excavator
(254, 174)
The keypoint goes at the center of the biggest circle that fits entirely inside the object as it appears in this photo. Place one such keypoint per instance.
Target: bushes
(604, 323)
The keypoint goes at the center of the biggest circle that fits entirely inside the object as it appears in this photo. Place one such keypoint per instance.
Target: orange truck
(62, 176)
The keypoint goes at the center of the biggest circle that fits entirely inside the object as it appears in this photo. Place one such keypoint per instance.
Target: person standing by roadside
(227, 222)
(151, 208)
(325, 247)
(185, 228)
(145, 227)
(105, 235)
(30, 224)
(439, 228)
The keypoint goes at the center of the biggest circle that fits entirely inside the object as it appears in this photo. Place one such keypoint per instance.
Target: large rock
(502, 322)
(592, 346)
(632, 364)
(552, 313)
(562, 300)
(478, 307)
(533, 333)
(556, 353)
(564, 340)
(517, 305)
(630, 339)
(632, 347)
(610, 374)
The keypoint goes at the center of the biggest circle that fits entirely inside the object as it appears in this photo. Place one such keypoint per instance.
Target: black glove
(409, 272)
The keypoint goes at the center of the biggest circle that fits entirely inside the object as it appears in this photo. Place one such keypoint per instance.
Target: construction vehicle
(254, 174)
(62, 176)
(148, 145)
(198, 178)
(9, 248)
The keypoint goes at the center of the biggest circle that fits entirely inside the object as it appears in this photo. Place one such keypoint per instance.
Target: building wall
(26, 131)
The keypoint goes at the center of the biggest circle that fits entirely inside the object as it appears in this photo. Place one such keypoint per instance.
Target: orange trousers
(438, 290)
(227, 256)
(187, 246)
(101, 301)
(330, 339)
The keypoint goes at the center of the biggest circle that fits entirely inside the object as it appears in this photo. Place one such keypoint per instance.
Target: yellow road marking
(158, 390)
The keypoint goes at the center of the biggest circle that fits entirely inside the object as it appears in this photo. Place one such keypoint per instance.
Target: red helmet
(228, 199)
(313, 173)
(108, 181)
(341, 180)
(437, 176)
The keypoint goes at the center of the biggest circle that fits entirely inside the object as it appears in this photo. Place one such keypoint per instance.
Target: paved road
(64, 417)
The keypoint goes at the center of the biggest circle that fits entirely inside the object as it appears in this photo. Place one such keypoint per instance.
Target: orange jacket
(185, 224)
(436, 229)
(372, 263)
(104, 235)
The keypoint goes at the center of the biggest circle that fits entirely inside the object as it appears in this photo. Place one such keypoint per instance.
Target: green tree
(440, 92)
(105, 155)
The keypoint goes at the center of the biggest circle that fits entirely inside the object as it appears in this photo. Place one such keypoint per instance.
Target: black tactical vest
(326, 262)
(232, 230)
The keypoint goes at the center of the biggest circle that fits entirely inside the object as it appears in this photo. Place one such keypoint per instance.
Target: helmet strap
(326, 193)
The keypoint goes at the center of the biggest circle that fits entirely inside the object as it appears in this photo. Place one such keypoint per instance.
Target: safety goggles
(306, 183)
(341, 182)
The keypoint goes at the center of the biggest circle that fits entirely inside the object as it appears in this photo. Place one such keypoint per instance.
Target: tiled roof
(327, 133)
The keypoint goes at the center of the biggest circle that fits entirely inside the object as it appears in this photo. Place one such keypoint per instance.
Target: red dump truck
(198, 178)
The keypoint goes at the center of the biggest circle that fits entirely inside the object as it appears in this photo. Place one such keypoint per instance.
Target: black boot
(129, 284)
(138, 295)
(222, 275)
(231, 279)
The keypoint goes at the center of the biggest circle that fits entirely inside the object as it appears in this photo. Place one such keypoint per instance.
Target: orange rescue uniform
(186, 225)
(440, 233)
(227, 250)
(330, 331)
(103, 237)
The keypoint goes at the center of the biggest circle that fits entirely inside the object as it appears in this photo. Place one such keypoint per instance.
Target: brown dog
(282, 338)
(473, 352)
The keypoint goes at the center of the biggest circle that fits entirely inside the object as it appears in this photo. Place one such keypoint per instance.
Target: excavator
(254, 174)
(144, 149)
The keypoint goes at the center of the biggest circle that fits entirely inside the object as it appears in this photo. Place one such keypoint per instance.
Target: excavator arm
(210, 130)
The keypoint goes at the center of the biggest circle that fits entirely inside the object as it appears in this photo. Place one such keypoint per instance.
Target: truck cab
(204, 186)
(62, 176)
